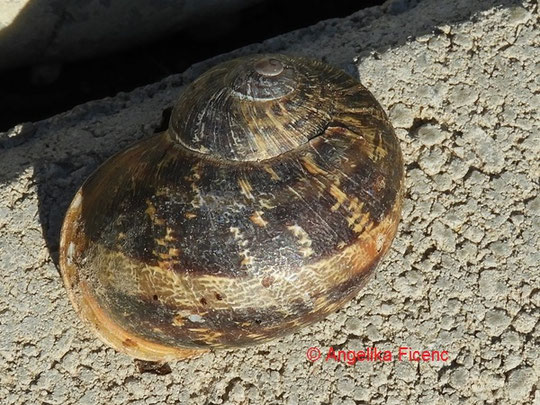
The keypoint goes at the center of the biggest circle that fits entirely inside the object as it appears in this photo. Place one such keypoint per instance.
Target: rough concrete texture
(460, 82)
(41, 31)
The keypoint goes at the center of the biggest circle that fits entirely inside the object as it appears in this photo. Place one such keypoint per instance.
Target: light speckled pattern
(186, 241)
(460, 81)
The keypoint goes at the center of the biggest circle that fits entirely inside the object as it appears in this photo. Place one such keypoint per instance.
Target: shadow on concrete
(57, 72)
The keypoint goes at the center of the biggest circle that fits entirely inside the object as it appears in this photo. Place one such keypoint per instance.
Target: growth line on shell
(312, 210)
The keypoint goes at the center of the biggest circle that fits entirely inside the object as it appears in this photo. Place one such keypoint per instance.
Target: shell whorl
(254, 108)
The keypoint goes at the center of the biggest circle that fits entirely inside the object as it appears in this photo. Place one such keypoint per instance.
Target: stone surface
(462, 274)
(47, 31)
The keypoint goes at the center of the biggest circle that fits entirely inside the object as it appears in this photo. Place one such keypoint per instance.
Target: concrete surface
(44, 31)
(460, 81)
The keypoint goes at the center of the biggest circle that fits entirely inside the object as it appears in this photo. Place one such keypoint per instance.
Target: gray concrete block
(462, 275)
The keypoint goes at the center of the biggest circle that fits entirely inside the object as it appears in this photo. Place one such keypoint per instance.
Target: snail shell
(264, 207)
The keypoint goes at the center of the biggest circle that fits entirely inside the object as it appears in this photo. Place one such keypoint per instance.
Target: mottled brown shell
(272, 196)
